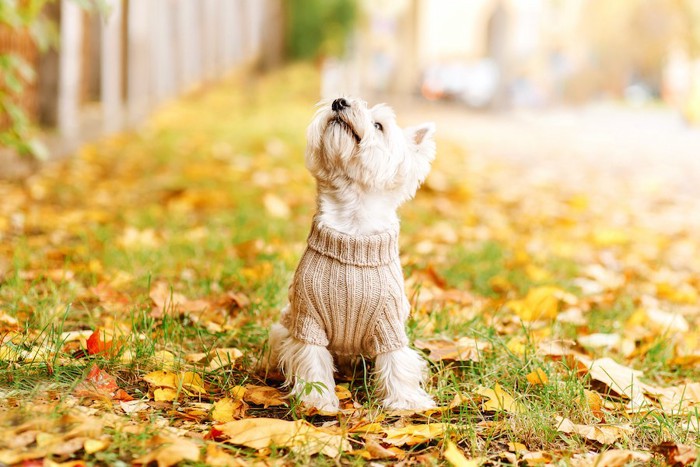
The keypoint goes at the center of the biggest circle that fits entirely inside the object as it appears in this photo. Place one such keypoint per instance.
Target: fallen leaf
(165, 394)
(342, 393)
(375, 450)
(92, 446)
(98, 383)
(618, 378)
(678, 454)
(455, 457)
(463, 349)
(299, 435)
(604, 434)
(620, 458)
(216, 456)
(165, 300)
(537, 377)
(191, 383)
(221, 358)
(95, 344)
(499, 400)
(264, 395)
(164, 379)
(540, 303)
(414, 434)
(226, 410)
(170, 451)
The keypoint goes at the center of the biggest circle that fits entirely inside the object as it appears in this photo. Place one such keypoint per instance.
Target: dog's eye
(378, 126)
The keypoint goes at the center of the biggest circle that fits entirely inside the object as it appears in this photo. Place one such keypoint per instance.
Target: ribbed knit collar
(358, 250)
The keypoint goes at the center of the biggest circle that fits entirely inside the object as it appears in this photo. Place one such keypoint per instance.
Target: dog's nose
(339, 104)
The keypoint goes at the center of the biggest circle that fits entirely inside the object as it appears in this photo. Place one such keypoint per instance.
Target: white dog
(347, 297)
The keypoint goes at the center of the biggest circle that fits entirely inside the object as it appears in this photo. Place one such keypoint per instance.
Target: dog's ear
(421, 133)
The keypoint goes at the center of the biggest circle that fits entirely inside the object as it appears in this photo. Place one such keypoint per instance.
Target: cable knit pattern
(348, 293)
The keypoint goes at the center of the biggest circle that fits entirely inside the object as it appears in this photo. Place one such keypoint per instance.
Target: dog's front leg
(308, 370)
(400, 375)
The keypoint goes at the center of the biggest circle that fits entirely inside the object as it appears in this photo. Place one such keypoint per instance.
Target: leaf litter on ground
(138, 278)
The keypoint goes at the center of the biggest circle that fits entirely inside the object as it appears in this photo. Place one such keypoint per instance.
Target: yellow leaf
(414, 434)
(367, 428)
(216, 457)
(517, 447)
(540, 303)
(455, 457)
(191, 382)
(342, 392)
(516, 345)
(170, 452)
(164, 359)
(299, 435)
(499, 399)
(92, 446)
(237, 392)
(537, 377)
(224, 410)
(163, 379)
(164, 394)
(220, 358)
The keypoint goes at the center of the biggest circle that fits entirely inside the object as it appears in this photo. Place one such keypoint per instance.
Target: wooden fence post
(71, 36)
(139, 66)
(111, 79)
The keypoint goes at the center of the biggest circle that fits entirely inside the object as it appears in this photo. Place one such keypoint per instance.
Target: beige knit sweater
(348, 293)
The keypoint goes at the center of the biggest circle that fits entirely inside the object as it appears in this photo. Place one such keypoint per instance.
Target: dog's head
(349, 144)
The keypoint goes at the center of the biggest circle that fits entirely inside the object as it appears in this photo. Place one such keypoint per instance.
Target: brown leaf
(620, 458)
(604, 434)
(98, 383)
(677, 454)
(264, 395)
(463, 349)
(165, 300)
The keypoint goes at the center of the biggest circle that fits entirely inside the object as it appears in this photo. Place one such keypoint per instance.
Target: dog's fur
(365, 167)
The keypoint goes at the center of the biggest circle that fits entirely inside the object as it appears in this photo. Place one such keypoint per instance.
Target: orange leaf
(98, 383)
(95, 345)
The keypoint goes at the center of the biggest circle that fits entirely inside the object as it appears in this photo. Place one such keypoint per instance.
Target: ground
(553, 269)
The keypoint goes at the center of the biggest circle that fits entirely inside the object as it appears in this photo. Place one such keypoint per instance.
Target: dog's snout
(339, 104)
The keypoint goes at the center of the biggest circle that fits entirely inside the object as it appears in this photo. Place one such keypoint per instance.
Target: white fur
(361, 184)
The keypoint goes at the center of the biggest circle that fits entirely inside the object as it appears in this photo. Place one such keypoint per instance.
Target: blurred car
(474, 83)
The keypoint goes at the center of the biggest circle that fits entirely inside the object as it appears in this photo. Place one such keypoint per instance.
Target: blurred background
(83, 67)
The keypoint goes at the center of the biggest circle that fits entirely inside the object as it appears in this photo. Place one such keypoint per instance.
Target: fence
(134, 55)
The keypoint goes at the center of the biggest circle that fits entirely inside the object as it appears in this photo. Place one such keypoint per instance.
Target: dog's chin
(337, 124)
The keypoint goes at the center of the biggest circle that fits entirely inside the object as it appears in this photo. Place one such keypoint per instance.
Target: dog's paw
(326, 404)
(417, 401)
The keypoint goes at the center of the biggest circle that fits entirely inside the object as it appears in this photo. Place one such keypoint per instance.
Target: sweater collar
(358, 250)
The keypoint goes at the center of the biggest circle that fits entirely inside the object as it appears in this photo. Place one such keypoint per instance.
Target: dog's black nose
(339, 104)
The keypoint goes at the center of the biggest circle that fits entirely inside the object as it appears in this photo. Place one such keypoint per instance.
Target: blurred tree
(317, 28)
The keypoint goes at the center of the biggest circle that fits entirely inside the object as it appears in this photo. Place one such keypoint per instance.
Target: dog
(347, 298)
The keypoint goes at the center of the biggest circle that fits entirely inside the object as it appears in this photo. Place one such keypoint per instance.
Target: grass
(211, 197)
